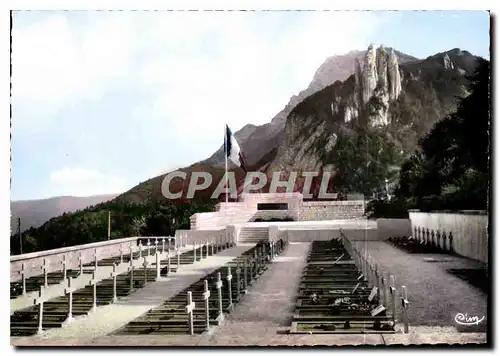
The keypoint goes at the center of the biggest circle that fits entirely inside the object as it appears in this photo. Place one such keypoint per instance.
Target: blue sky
(104, 100)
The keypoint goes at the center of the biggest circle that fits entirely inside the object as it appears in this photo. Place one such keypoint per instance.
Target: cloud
(85, 182)
(170, 80)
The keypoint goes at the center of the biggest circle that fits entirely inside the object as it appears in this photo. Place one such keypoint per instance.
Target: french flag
(233, 150)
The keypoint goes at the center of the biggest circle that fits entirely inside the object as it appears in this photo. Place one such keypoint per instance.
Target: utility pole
(109, 224)
(20, 236)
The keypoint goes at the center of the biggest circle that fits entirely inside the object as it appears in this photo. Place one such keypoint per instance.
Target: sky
(103, 100)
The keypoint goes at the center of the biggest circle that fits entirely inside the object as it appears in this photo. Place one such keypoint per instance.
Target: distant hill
(34, 213)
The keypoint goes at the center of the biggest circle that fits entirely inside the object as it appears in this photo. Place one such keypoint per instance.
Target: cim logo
(464, 319)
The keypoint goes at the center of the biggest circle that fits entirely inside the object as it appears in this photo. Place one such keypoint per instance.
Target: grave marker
(377, 310)
(218, 285)
(405, 302)
(113, 275)
(69, 291)
(189, 310)
(206, 296)
(229, 278)
(40, 300)
(392, 290)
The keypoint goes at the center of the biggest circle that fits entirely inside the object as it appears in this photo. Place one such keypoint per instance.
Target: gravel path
(435, 295)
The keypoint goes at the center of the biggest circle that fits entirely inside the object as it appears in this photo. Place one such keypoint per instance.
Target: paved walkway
(108, 318)
(435, 296)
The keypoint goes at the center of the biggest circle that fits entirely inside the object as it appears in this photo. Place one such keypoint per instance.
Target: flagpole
(225, 158)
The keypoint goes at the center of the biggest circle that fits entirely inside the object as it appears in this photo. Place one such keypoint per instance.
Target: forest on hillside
(450, 169)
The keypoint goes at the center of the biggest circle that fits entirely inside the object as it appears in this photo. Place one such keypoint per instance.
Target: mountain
(258, 141)
(404, 100)
(396, 97)
(34, 213)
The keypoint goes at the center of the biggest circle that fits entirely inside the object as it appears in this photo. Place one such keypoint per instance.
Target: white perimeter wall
(470, 231)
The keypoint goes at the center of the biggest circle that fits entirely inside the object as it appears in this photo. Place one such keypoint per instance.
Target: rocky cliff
(260, 141)
(400, 100)
(394, 95)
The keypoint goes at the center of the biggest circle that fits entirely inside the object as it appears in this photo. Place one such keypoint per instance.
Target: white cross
(95, 258)
(40, 300)
(149, 244)
(218, 285)
(405, 302)
(229, 278)
(189, 310)
(113, 275)
(69, 290)
(206, 296)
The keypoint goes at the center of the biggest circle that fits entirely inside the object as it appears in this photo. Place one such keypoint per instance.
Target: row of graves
(45, 279)
(343, 291)
(440, 245)
(201, 306)
(56, 312)
(424, 240)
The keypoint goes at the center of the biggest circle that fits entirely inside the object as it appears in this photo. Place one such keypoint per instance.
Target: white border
(166, 4)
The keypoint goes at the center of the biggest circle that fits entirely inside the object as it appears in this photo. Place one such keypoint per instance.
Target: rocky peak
(448, 64)
(377, 78)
